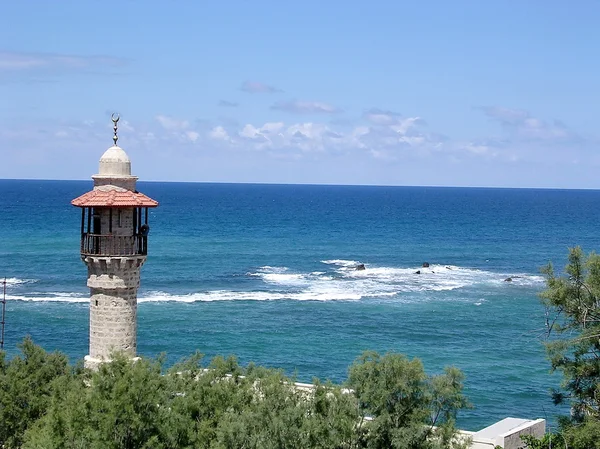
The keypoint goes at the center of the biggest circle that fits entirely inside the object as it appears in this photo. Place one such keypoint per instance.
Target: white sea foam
(285, 279)
(49, 297)
(416, 279)
(341, 281)
(282, 276)
(16, 281)
(228, 295)
(341, 262)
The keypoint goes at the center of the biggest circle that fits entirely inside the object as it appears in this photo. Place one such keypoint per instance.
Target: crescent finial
(115, 118)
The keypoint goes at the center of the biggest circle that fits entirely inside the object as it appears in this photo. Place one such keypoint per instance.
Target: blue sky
(452, 93)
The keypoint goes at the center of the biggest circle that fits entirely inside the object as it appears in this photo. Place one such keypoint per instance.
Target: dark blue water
(266, 272)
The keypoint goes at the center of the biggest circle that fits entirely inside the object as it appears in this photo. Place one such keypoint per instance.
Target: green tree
(119, 407)
(132, 405)
(402, 407)
(549, 440)
(572, 305)
(135, 404)
(227, 406)
(281, 415)
(26, 385)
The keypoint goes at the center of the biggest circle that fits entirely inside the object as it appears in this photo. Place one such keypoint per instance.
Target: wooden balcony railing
(113, 245)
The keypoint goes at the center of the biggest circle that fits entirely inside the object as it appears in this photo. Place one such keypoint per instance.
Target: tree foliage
(222, 405)
(549, 440)
(402, 407)
(572, 305)
(26, 386)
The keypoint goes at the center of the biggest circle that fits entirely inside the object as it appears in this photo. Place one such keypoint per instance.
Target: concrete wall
(476, 443)
(512, 439)
(506, 433)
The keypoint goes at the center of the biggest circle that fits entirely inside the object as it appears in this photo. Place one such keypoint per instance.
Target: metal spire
(115, 118)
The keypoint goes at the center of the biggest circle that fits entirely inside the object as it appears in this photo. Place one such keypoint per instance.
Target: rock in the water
(360, 266)
(425, 264)
(508, 280)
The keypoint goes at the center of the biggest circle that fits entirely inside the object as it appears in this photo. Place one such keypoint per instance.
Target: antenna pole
(3, 313)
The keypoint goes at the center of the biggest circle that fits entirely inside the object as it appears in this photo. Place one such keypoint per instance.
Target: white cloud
(176, 129)
(520, 125)
(477, 148)
(273, 127)
(309, 137)
(305, 107)
(255, 87)
(219, 133)
(21, 61)
(172, 124)
(125, 125)
(250, 132)
(305, 137)
(380, 141)
(381, 117)
(228, 104)
(506, 115)
(192, 135)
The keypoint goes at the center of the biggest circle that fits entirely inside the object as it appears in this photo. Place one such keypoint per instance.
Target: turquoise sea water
(266, 272)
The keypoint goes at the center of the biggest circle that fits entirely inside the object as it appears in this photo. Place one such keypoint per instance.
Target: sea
(268, 273)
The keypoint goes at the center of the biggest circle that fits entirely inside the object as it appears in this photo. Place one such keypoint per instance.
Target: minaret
(114, 246)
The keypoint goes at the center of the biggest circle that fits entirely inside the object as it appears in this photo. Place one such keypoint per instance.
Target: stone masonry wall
(113, 283)
(127, 183)
(126, 227)
(113, 322)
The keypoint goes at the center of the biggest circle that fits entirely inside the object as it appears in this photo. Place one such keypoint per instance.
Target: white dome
(115, 162)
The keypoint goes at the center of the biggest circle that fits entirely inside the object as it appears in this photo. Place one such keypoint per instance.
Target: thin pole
(89, 230)
(3, 314)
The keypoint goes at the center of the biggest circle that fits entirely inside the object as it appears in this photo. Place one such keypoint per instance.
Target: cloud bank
(376, 146)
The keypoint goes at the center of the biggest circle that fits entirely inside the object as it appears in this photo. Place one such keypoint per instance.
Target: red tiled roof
(114, 198)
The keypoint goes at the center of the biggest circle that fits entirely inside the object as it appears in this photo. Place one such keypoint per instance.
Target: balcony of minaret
(114, 231)
(114, 222)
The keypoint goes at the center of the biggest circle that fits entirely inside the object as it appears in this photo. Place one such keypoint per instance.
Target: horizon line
(266, 183)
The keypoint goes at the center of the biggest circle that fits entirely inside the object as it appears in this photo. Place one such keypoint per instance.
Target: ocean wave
(341, 262)
(282, 276)
(17, 281)
(228, 295)
(50, 297)
(344, 282)
(341, 281)
(373, 280)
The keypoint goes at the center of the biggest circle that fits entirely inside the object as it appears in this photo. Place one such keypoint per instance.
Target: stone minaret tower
(114, 246)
